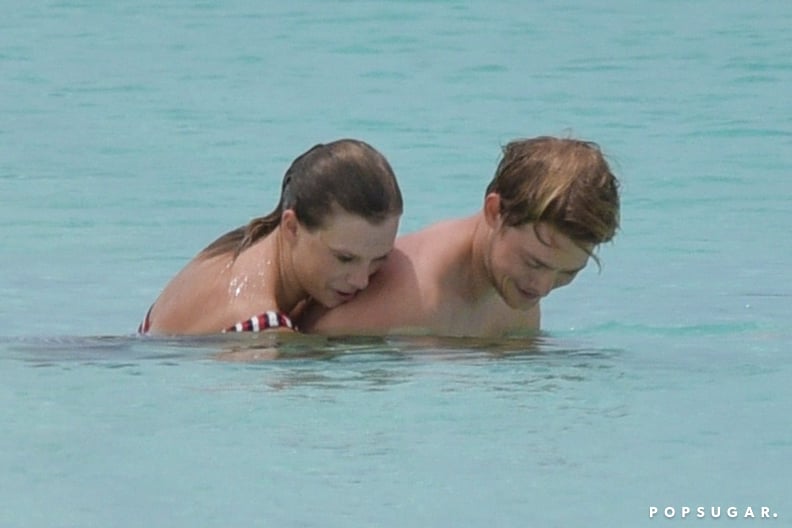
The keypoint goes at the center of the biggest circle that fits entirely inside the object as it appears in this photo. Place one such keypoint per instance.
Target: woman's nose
(359, 277)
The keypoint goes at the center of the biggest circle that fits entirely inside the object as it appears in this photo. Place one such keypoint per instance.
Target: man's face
(529, 261)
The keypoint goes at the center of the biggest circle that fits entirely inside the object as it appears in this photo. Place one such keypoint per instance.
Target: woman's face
(335, 261)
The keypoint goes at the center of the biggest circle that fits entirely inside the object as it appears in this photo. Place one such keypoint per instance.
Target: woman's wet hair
(348, 175)
(564, 182)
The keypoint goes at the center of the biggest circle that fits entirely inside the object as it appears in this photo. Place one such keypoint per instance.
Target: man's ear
(492, 210)
(289, 225)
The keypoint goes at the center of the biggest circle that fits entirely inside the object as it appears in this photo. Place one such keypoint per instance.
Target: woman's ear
(289, 225)
(492, 210)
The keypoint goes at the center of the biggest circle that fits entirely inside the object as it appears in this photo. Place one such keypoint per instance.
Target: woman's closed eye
(343, 258)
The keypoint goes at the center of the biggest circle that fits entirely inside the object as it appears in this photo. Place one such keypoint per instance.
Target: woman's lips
(346, 296)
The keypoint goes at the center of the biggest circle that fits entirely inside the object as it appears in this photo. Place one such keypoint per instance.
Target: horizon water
(133, 133)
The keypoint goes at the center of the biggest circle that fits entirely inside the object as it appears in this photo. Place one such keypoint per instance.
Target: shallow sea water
(131, 134)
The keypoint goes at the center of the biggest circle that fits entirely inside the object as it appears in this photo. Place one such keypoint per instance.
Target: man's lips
(346, 296)
(530, 295)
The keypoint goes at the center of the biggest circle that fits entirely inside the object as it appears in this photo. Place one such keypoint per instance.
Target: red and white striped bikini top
(264, 321)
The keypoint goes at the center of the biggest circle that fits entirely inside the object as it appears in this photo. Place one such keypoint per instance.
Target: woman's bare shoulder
(193, 301)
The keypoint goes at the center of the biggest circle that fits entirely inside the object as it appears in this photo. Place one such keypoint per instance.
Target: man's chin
(522, 302)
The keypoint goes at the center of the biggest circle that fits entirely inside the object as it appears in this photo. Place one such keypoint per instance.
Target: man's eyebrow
(567, 271)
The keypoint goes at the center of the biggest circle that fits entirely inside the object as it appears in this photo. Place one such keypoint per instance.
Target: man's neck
(479, 287)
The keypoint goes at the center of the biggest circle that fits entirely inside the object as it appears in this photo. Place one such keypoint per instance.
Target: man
(551, 203)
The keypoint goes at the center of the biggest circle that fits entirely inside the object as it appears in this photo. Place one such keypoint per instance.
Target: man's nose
(545, 282)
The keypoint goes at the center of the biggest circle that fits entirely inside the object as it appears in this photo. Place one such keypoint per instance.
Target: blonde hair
(564, 182)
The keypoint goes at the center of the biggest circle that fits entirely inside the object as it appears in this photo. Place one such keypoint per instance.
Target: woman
(333, 228)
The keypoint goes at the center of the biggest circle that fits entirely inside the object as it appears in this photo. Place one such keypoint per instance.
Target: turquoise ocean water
(133, 133)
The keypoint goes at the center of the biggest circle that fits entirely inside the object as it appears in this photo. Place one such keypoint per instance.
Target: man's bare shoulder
(438, 251)
(391, 299)
(440, 232)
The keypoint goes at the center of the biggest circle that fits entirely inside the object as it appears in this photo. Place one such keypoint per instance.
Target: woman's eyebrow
(354, 255)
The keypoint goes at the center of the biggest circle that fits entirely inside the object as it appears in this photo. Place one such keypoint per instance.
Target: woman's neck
(289, 292)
